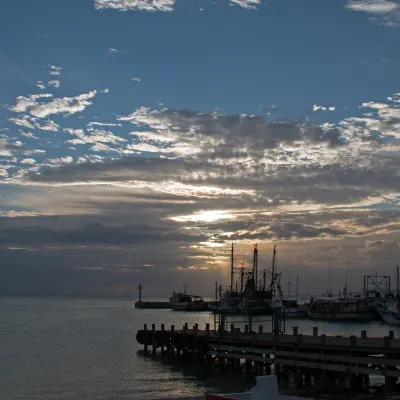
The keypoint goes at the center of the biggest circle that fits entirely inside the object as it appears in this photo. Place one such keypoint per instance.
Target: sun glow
(204, 216)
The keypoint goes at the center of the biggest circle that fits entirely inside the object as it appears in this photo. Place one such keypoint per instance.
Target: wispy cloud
(54, 70)
(157, 5)
(323, 108)
(54, 84)
(385, 12)
(136, 79)
(112, 51)
(40, 85)
(36, 107)
(246, 3)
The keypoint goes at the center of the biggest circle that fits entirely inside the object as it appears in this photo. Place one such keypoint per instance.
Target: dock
(153, 305)
(318, 361)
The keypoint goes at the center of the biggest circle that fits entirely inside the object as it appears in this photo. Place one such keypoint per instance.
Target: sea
(80, 348)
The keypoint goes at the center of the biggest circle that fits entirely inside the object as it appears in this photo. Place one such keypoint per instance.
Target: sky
(140, 138)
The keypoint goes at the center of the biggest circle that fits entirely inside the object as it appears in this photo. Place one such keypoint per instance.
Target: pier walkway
(314, 360)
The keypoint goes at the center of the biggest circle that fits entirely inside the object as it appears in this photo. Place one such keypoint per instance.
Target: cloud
(54, 70)
(30, 161)
(156, 5)
(112, 50)
(41, 85)
(35, 106)
(246, 3)
(136, 79)
(385, 12)
(323, 108)
(54, 84)
(373, 6)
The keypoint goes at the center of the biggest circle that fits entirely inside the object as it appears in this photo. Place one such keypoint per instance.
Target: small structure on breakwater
(151, 304)
(315, 361)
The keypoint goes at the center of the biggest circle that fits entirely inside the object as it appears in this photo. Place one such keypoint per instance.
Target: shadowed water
(63, 348)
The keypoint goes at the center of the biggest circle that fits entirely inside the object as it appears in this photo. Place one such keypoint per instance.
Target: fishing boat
(389, 309)
(390, 312)
(342, 309)
(181, 301)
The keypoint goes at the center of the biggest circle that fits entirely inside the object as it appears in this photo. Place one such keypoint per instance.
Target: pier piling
(313, 360)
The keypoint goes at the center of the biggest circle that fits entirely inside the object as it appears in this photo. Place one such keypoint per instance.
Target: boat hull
(366, 316)
(189, 306)
(390, 317)
(295, 313)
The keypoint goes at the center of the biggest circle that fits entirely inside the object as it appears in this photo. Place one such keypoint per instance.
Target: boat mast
(297, 285)
(264, 279)
(397, 282)
(232, 269)
(273, 264)
(255, 265)
(329, 280)
(241, 278)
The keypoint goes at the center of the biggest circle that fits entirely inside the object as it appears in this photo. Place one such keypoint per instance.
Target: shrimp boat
(181, 301)
(389, 310)
(293, 306)
(345, 308)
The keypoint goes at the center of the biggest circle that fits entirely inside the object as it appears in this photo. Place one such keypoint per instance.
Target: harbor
(253, 328)
(251, 291)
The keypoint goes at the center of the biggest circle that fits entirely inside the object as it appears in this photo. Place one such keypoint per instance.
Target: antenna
(297, 285)
(255, 264)
(232, 269)
(329, 280)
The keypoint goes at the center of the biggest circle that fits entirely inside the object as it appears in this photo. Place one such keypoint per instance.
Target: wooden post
(162, 338)
(363, 334)
(295, 330)
(391, 334)
(232, 328)
(246, 329)
(315, 331)
(207, 329)
(153, 331)
(145, 346)
(172, 342)
(260, 329)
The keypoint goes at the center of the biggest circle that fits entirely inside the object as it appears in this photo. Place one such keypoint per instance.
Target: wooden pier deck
(318, 360)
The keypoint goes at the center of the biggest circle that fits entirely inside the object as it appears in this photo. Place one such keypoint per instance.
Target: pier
(314, 361)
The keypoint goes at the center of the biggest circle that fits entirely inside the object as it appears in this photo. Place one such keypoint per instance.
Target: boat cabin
(332, 305)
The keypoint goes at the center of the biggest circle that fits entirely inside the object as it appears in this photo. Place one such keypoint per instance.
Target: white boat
(341, 309)
(390, 312)
(293, 306)
(181, 301)
(229, 302)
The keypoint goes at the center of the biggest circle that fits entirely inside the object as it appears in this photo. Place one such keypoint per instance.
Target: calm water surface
(62, 348)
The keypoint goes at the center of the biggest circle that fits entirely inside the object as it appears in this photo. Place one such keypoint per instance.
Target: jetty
(314, 361)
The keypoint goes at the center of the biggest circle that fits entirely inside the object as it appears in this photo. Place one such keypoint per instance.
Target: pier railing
(322, 360)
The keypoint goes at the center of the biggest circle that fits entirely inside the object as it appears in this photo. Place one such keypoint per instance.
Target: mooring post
(196, 327)
(162, 338)
(295, 330)
(207, 329)
(153, 332)
(363, 334)
(277, 370)
(145, 346)
(232, 328)
(172, 341)
(246, 329)
(391, 334)
(260, 329)
(315, 331)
